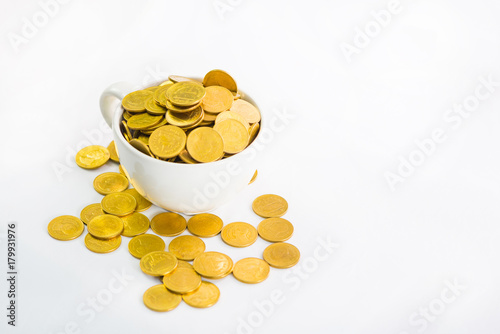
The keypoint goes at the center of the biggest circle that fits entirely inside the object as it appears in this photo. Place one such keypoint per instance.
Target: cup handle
(111, 95)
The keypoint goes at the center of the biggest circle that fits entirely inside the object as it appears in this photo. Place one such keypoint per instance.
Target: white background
(350, 123)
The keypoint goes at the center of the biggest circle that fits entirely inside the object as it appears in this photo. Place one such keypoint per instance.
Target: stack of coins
(186, 121)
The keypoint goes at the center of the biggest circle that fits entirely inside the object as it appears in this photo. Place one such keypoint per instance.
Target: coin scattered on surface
(251, 270)
(118, 204)
(65, 228)
(205, 225)
(270, 206)
(135, 224)
(108, 183)
(91, 211)
(234, 135)
(168, 224)
(159, 299)
(275, 229)
(205, 145)
(158, 263)
(254, 177)
(105, 227)
(281, 255)
(205, 296)
(92, 157)
(102, 246)
(182, 280)
(142, 203)
(144, 244)
(213, 265)
(186, 247)
(239, 234)
(113, 153)
(220, 78)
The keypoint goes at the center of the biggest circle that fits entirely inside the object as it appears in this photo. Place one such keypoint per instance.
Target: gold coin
(184, 119)
(141, 147)
(105, 227)
(92, 157)
(254, 177)
(275, 229)
(160, 95)
(251, 270)
(154, 108)
(91, 211)
(123, 171)
(118, 204)
(135, 224)
(125, 130)
(136, 101)
(182, 280)
(184, 155)
(177, 109)
(168, 82)
(144, 138)
(186, 247)
(232, 115)
(270, 206)
(158, 298)
(213, 265)
(185, 94)
(142, 203)
(110, 182)
(205, 145)
(281, 255)
(168, 224)
(249, 112)
(217, 99)
(65, 228)
(178, 78)
(200, 120)
(205, 225)
(151, 129)
(127, 115)
(113, 154)
(152, 89)
(208, 117)
(239, 234)
(158, 263)
(102, 246)
(144, 244)
(206, 295)
(220, 78)
(143, 121)
(234, 135)
(167, 141)
(253, 130)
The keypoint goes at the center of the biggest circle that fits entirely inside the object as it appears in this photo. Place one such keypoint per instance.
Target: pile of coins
(119, 213)
(183, 120)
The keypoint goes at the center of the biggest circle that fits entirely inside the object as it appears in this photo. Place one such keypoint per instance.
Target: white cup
(183, 188)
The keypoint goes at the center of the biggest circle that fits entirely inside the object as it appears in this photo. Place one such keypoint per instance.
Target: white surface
(352, 120)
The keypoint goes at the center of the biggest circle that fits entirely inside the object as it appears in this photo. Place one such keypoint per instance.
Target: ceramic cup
(183, 188)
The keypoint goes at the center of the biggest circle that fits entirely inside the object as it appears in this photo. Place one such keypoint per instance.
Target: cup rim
(116, 128)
